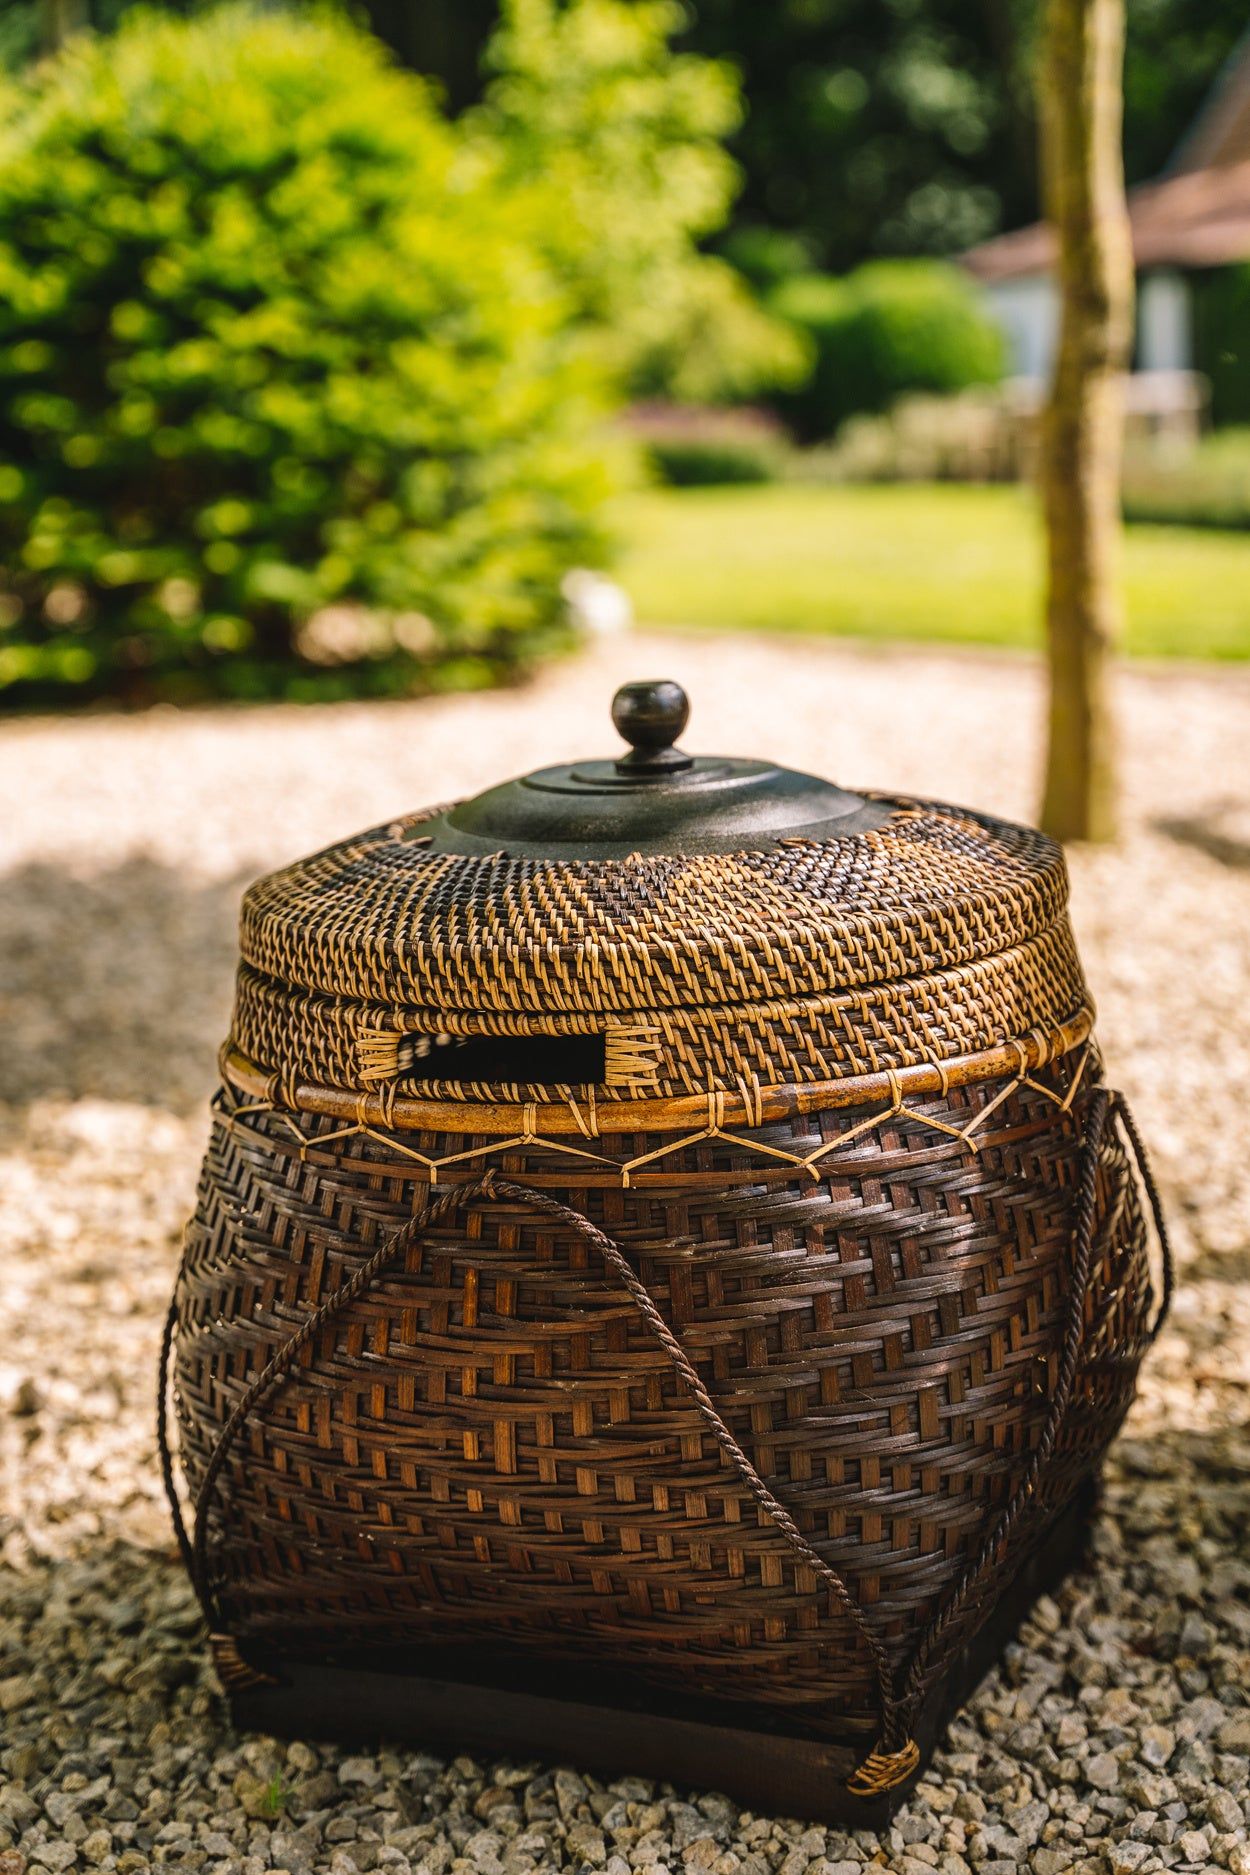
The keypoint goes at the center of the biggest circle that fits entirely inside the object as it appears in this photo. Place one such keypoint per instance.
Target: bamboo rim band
(413, 1113)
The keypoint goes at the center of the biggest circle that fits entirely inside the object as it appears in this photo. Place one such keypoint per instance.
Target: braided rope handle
(896, 1754)
(1145, 1171)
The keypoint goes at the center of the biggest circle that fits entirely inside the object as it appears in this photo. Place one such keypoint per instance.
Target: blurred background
(364, 351)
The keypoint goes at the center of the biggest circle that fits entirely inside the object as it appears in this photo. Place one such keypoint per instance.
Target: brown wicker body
(760, 1390)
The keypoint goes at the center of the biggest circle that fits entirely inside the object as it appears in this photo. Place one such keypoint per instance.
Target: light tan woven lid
(870, 891)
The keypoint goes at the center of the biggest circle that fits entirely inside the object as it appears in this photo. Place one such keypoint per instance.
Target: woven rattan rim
(591, 1115)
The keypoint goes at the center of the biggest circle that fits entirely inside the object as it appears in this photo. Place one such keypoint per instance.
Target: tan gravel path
(1117, 1736)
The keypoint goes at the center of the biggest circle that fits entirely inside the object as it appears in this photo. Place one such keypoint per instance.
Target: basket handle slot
(530, 1060)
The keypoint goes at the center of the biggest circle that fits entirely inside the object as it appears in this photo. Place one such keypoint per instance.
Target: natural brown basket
(774, 1418)
(664, 1231)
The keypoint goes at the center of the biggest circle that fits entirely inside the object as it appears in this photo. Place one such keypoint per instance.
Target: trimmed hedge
(890, 328)
(268, 354)
(1208, 486)
(692, 446)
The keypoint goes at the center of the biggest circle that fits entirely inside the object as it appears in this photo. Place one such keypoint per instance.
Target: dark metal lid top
(654, 799)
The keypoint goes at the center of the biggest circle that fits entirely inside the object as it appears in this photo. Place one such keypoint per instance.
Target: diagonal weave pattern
(490, 1442)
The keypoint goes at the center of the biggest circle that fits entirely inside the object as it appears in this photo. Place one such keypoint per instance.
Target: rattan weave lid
(906, 889)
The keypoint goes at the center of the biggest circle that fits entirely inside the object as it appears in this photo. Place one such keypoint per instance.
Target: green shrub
(966, 436)
(610, 144)
(269, 351)
(701, 448)
(1204, 487)
(889, 328)
(766, 256)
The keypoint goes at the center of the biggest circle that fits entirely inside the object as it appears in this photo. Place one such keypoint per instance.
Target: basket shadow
(115, 986)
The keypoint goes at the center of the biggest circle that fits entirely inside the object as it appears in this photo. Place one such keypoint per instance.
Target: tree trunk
(1083, 174)
(59, 20)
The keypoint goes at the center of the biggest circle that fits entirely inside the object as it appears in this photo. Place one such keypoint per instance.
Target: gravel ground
(1115, 1737)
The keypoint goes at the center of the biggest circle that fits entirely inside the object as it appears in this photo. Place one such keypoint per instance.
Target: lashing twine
(381, 1107)
(896, 1755)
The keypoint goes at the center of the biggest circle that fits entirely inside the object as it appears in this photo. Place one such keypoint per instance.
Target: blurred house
(1189, 226)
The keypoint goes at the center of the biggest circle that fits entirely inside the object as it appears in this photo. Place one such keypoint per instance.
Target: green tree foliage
(611, 148)
(879, 126)
(908, 126)
(872, 126)
(271, 352)
(19, 36)
(1173, 54)
(445, 38)
(1222, 340)
(888, 328)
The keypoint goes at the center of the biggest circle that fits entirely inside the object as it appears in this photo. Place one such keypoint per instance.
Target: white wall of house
(1164, 322)
(1028, 312)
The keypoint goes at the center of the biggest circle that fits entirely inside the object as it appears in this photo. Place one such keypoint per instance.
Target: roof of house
(1197, 214)
(1197, 218)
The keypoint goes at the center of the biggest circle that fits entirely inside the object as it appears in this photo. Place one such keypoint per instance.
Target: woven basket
(722, 1269)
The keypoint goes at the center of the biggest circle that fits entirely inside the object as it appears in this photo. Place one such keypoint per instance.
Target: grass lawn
(945, 562)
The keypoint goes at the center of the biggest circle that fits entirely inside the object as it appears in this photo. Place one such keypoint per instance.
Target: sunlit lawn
(939, 562)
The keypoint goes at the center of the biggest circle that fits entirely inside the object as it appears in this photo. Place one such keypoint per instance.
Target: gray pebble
(1124, 1858)
(1224, 1811)
(1103, 1770)
(1158, 1742)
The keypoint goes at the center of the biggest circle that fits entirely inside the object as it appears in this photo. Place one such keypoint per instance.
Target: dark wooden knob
(650, 716)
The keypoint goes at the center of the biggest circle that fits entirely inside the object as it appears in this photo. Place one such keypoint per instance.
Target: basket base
(760, 1758)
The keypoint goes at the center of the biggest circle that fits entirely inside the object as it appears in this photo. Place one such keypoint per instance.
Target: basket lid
(653, 799)
(656, 881)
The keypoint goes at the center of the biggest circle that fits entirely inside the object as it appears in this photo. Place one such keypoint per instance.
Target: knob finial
(650, 716)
